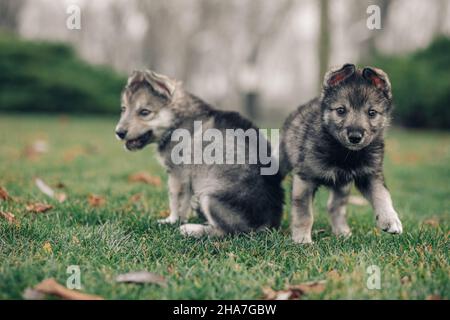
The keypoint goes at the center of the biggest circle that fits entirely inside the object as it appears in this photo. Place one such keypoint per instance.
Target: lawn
(122, 235)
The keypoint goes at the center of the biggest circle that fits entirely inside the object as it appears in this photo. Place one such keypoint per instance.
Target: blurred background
(260, 57)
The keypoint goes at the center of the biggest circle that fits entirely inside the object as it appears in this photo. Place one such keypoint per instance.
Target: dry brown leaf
(358, 201)
(136, 197)
(4, 195)
(334, 274)
(75, 240)
(294, 292)
(96, 200)
(51, 287)
(38, 207)
(44, 188)
(310, 287)
(47, 247)
(164, 214)
(432, 222)
(9, 217)
(433, 297)
(142, 277)
(145, 177)
(60, 185)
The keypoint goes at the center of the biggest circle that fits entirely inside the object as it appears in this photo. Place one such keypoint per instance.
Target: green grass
(123, 236)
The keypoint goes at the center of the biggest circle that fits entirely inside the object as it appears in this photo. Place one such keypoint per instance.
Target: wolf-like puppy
(335, 140)
(232, 197)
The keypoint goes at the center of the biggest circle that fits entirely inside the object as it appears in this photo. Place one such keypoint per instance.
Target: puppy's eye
(372, 113)
(341, 111)
(122, 109)
(144, 112)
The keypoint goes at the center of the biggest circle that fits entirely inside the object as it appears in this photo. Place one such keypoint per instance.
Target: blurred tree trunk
(248, 74)
(324, 40)
(157, 17)
(441, 16)
(9, 14)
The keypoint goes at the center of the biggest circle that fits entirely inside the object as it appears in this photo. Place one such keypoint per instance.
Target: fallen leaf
(4, 194)
(334, 274)
(270, 294)
(61, 197)
(96, 200)
(75, 240)
(376, 232)
(136, 197)
(60, 185)
(310, 287)
(433, 297)
(38, 207)
(51, 287)
(144, 177)
(164, 213)
(357, 201)
(432, 222)
(47, 247)
(142, 277)
(9, 217)
(294, 292)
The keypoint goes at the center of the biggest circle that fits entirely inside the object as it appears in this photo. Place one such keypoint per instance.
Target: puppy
(335, 140)
(233, 196)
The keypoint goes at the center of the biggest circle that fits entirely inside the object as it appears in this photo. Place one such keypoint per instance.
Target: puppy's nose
(121, 134)
(355, 137)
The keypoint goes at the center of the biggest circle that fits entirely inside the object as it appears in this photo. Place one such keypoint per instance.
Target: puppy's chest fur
(330, 164)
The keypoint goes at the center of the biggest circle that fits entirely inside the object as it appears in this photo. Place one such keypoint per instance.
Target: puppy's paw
(389, 223)
(193, 230)
(302, 238)
(341, 229)
(169, 220)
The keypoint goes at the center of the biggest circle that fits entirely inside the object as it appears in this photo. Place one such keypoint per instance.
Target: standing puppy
(232, 196)
(337, 139)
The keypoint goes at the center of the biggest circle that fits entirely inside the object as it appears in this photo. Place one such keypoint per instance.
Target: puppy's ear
(163, 85)
(379, 79)
(335, 76)
(135, 78)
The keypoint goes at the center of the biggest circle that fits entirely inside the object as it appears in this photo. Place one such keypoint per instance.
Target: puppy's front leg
(374, 189)
(302, 210)
(337, 203)
(179, 200)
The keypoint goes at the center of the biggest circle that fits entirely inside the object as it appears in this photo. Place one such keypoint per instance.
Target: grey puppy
(232, 197)
(335, 140)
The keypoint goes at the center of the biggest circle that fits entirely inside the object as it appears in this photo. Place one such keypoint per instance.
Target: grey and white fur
(335, 140)
(232, 198)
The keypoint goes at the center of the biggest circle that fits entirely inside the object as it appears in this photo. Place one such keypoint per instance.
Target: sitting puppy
(337, 139)
(232, 196)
